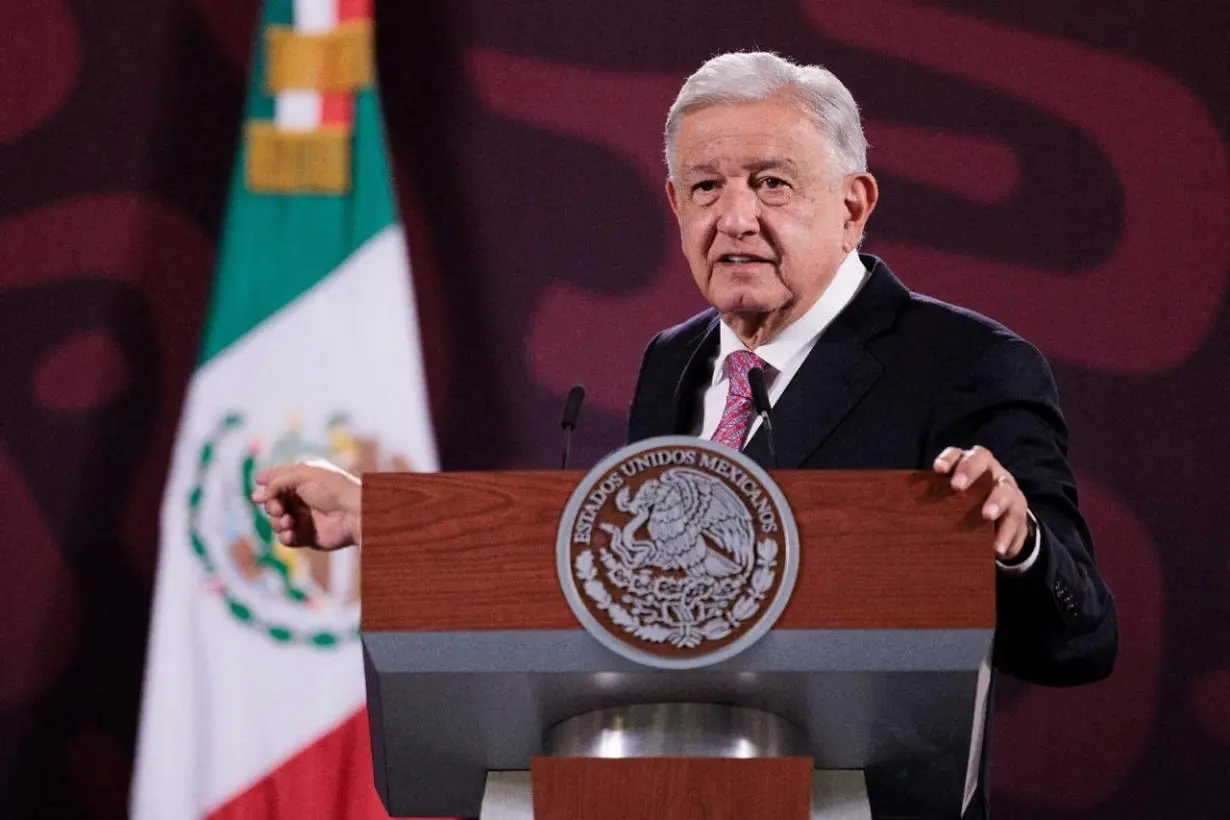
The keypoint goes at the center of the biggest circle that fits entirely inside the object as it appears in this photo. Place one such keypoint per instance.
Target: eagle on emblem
(695, 523)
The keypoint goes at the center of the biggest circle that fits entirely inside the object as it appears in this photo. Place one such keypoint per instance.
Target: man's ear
(861, 195)
(672, 196)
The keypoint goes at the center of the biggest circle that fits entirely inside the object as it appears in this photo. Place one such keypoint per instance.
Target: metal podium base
(675, 730)
(679, 730)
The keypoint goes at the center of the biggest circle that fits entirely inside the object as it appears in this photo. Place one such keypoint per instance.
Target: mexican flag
(253, 702)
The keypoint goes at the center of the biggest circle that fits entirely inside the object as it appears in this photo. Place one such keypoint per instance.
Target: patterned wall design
(1061, 166)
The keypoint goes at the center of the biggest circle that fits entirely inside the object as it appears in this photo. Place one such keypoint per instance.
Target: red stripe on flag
(354, 10)
(336, 109)
(329, 780)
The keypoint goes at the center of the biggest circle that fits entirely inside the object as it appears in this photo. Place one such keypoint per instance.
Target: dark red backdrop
(1059, 165)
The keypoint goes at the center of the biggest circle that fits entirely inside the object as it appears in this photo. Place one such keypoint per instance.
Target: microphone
(572, 409)
(760, 397)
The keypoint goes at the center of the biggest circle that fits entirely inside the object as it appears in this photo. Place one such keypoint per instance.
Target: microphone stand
(760, 397)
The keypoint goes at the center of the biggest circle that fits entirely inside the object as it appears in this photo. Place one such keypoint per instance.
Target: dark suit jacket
(895, 379)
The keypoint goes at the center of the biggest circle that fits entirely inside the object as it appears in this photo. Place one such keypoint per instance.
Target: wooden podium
(475, 664)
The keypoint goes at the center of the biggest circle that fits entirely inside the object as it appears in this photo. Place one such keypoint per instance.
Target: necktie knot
(738, 364)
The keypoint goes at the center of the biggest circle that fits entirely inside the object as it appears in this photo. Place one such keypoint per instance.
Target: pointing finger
(262, 479)
(277, 480)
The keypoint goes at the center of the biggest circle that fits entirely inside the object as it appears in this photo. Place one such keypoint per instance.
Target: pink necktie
(737, 417)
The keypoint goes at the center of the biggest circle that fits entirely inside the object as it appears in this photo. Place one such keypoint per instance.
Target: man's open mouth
(742, 259)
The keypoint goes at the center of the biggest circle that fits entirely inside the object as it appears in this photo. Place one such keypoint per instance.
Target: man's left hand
(1006, 505)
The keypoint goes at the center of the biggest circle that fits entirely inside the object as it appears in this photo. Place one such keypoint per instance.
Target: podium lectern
(874, 677)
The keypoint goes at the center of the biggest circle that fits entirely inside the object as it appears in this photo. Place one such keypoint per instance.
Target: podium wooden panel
(889, 549)
(574, 788)
(471, 651)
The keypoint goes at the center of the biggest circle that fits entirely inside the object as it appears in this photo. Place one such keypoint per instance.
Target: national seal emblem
(677, 553)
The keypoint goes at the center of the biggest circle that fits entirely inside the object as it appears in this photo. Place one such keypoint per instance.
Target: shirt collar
(796, 337)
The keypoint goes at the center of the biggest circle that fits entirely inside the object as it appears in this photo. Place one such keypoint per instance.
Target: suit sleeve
(1056, 622)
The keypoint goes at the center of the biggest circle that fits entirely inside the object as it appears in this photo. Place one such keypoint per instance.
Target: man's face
(764, 218)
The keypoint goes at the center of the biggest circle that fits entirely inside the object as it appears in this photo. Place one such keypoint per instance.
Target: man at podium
(768, 179)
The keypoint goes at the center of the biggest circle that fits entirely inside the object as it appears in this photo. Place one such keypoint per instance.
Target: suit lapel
(823, 392)
(679, 416)
(836, 374)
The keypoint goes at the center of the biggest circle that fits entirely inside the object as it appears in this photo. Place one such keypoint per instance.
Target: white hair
(760, 75)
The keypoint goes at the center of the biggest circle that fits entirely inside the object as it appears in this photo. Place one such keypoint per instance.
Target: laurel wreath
(684, 636)
(282, 633)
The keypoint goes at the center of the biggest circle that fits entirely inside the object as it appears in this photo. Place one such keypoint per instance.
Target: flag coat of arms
(253, 701)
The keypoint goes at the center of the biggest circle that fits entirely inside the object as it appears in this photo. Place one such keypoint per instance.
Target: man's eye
(706, 186)
(773, 183)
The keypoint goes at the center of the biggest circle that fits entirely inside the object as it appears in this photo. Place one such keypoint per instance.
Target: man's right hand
(311, 504)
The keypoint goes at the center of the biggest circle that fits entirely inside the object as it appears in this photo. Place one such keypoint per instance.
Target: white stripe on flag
(297, 110)
(315, 16)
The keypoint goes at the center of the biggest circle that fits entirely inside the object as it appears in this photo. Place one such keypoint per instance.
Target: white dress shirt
(785, 353)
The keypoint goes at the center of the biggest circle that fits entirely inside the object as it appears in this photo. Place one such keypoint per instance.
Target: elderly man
(768, 180)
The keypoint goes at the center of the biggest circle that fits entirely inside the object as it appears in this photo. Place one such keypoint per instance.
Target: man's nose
(739, 212)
